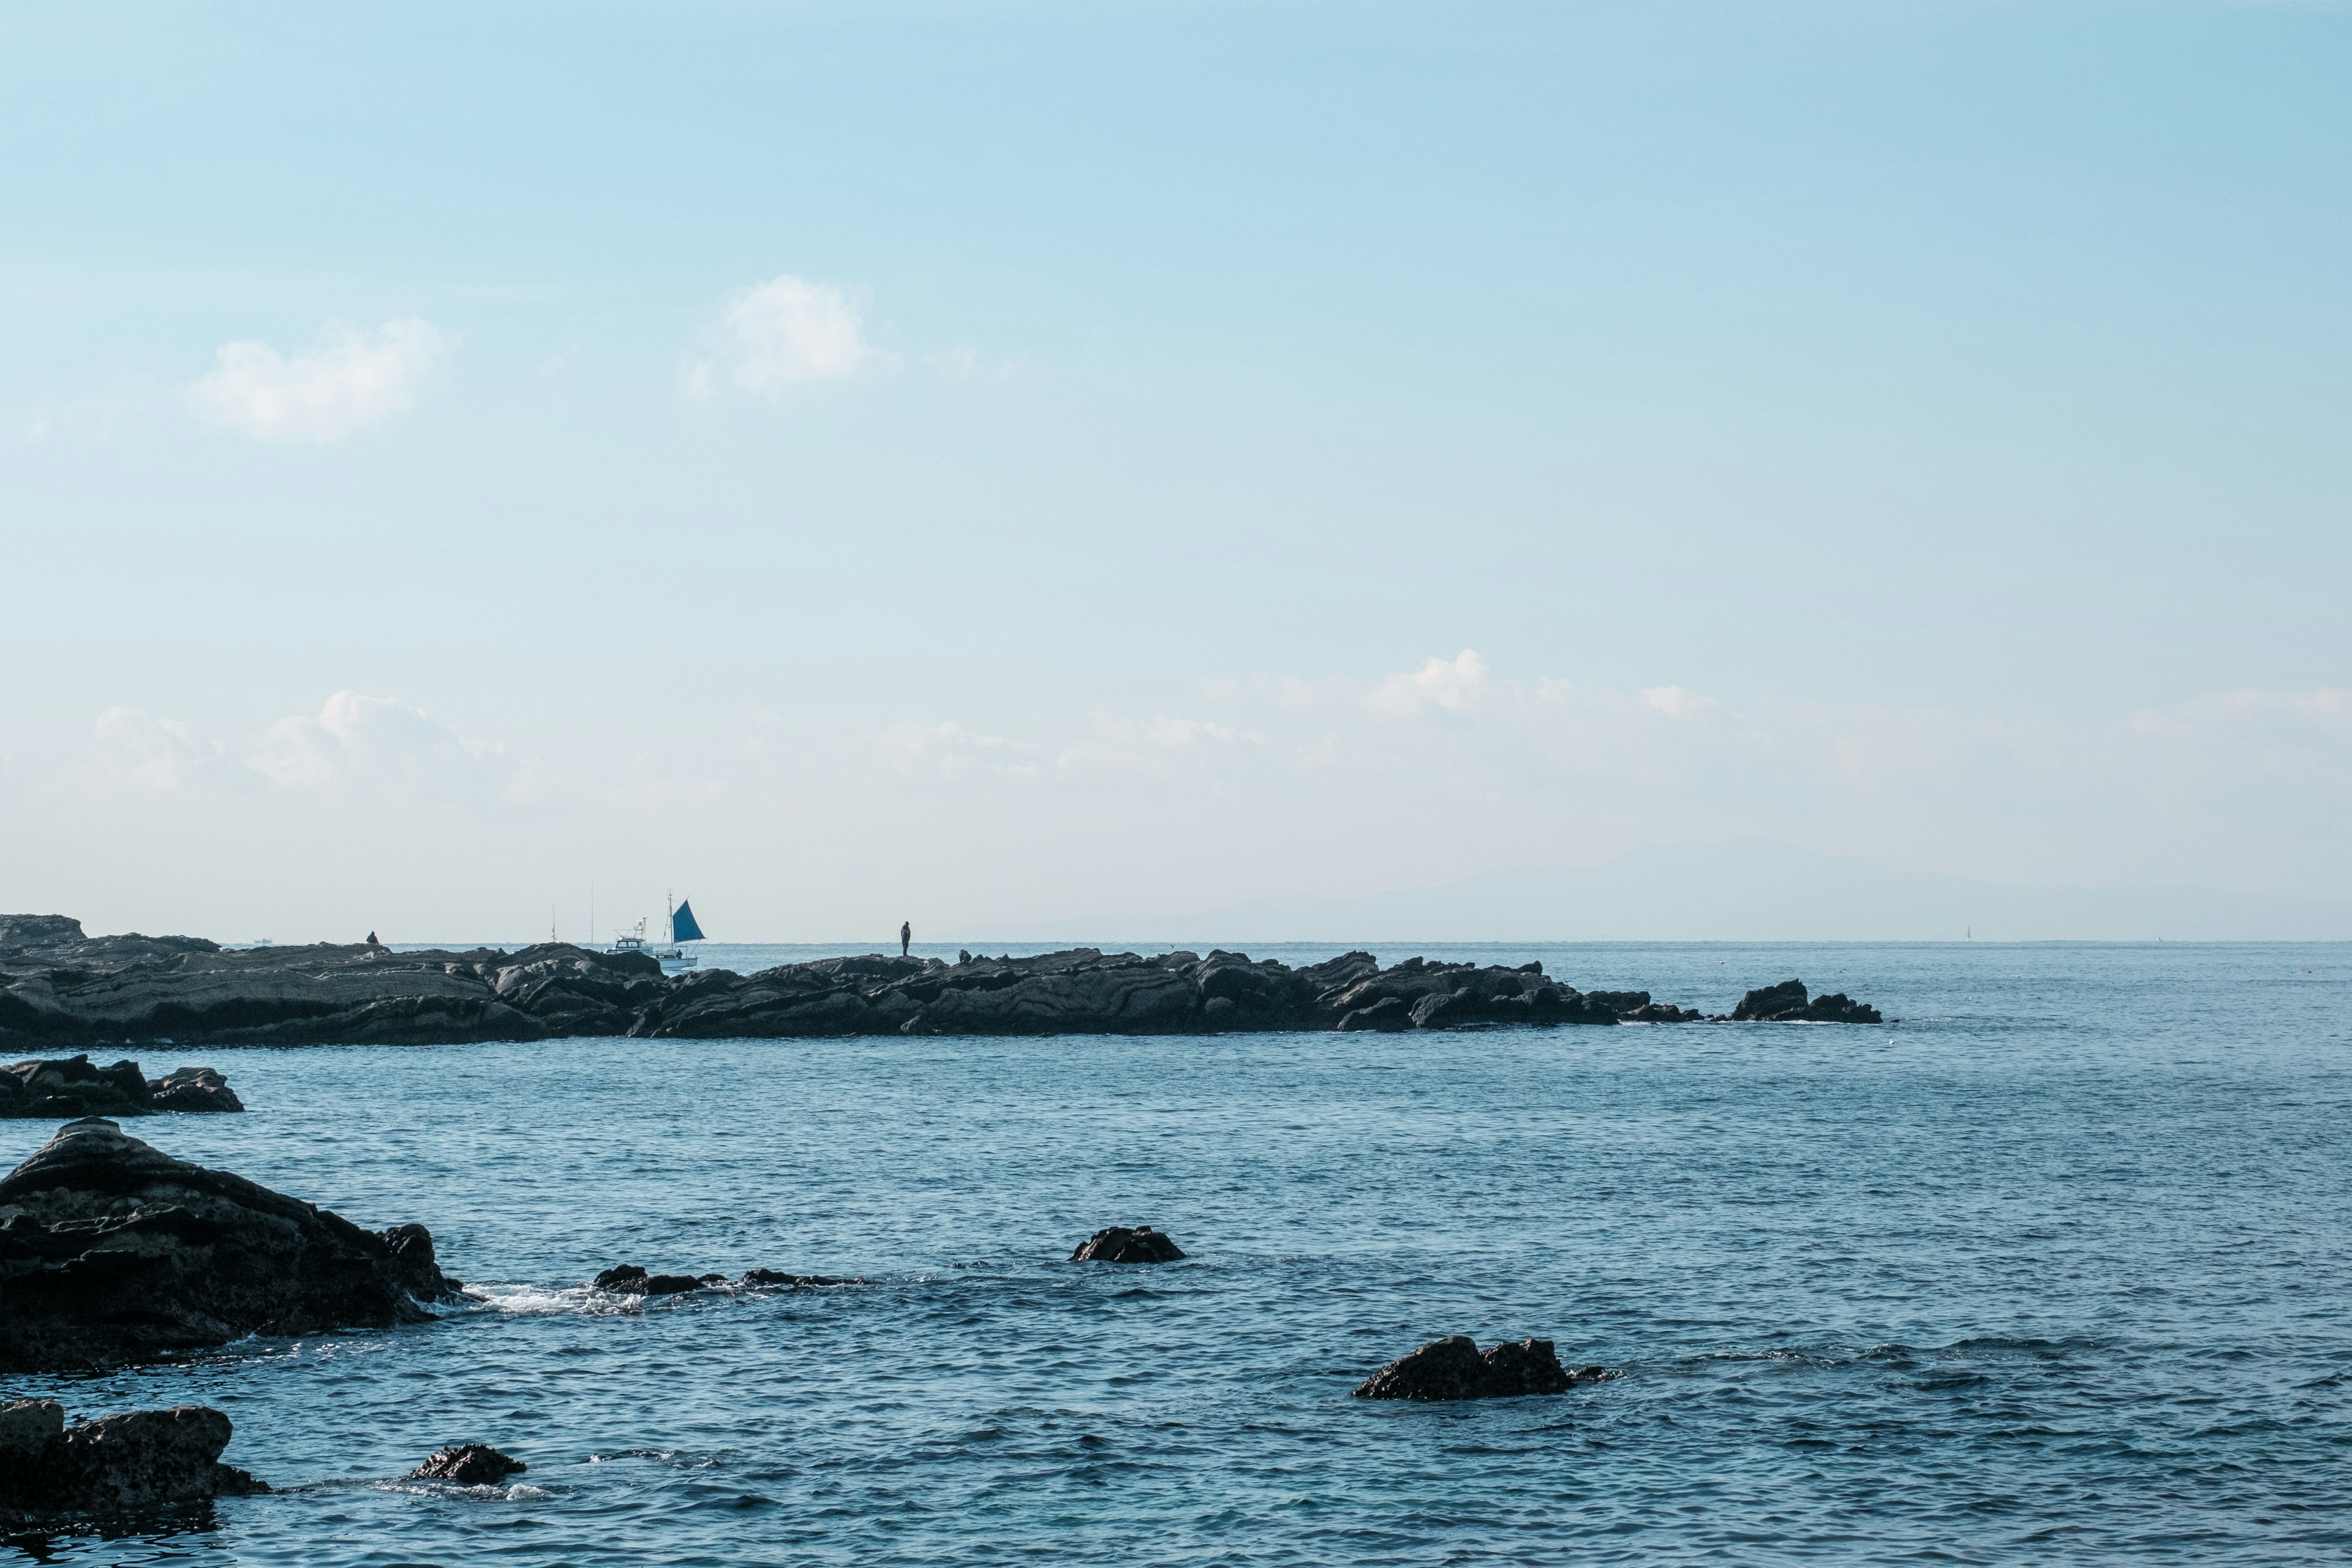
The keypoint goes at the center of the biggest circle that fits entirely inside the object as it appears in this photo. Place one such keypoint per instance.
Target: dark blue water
(2058, 1270)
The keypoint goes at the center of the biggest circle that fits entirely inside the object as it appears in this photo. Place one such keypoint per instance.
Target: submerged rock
(112, 1251)
(138, 1460)
(75, 1086)
(1456, 1369)
(1787, 1002)
(776, 1279)
(468, 1465)
(1123, 1244)
(628, 1280)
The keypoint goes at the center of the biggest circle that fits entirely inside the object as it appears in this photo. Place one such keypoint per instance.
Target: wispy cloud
(348, 380)
(786, 331)
(356, 750)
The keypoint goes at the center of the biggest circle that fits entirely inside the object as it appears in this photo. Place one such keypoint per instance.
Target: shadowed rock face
(112, 1251)
(60, 989)
(1788, 1003)
(1119, 1244)
(75, 1087)
(1454, 1369)
(138, 1460)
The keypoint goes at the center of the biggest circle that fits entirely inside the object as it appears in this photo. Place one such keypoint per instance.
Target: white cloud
(1455, 685)
(785, 332)
(160, 755)
(950, 751)
(349, 380)
(92, 417)
(381, 748)
(963, 363)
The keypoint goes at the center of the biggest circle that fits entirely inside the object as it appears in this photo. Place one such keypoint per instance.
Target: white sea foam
(536, 1300)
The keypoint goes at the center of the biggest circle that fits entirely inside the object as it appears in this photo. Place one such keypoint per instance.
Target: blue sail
(682, 927)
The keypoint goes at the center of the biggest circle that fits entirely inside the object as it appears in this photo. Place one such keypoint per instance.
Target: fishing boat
(672, 955)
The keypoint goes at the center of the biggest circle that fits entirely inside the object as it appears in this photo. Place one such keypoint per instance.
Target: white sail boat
(673, 955)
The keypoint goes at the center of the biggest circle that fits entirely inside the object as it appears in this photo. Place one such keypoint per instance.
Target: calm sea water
(2058, 1270)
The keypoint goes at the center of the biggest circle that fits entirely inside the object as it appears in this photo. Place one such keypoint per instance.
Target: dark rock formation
(111, 1251)
(131, 1463)
(468, 1465)
(628, 1280)
(1119, 1244)
(59, 989)
(1787, 1002)
(1453, 1369)
(74, 1087)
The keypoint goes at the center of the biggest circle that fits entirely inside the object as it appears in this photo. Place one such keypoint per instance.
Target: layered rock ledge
(59, 988)
(111, 1251)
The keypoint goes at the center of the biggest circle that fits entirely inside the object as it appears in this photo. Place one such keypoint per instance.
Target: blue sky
(1009, 462)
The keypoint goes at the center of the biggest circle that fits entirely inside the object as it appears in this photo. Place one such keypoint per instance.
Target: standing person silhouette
(906, 936)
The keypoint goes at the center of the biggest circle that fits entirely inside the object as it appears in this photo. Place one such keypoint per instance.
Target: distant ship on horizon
(672, 956)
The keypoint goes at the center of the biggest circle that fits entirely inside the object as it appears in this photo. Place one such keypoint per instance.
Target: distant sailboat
(673, 956)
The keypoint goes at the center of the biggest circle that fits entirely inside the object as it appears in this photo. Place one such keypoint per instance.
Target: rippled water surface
(2057, 1269)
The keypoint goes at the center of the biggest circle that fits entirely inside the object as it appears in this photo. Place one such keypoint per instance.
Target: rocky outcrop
(112, 1251)
(61, 990)
(468, 1465)
(1456, 1369)
(1788, 1003)
(132, 1463)
(1122, 1244)
(74, 1087)
(628, 1280)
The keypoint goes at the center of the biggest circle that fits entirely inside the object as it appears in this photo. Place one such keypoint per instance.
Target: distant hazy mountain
(1755, 891)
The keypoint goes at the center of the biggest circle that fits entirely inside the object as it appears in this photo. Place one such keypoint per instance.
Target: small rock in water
(130, 1463)
(1121, 1244)
(468, 1465)
(628, 1280)
(1788, 1003)
(1454, 1369)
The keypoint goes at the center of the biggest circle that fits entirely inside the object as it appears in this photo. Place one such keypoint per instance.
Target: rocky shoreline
(62, 990)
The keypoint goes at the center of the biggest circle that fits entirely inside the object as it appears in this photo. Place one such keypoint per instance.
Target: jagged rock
(112, 1251)
(1787, 1002)
(1121, 1244)
(74, 1087)
(468, 1465)
(1454, 1369)
(138, 1460)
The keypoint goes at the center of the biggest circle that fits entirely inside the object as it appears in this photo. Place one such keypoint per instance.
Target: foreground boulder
(112, 1251)
(1787, 1002)
(468, 1465)
(74, 1086)
(1124, 1244)
(1454, 1369)
(138, 1460)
